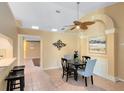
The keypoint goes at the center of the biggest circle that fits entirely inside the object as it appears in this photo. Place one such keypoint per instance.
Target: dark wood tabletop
(76, 64)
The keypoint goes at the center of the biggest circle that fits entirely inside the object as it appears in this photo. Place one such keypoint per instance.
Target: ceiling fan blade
(72, 28)
(66, 26)
(88, 22)
(69, 25)
(84, 27)
(77, 22)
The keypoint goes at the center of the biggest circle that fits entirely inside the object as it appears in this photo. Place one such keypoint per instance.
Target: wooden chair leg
(86, 81)
(82, 77)
(11, 85)
(63, 75)
(23, 79)
(92, 79)
(67, 77)
(8, 85)
(21, 85)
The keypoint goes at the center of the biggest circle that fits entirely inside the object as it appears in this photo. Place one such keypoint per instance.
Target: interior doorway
(30, 50)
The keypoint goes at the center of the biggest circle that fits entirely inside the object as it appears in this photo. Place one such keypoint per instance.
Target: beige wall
(51, 56)
(117, 14)
(107, 57)
(99, 30)
(6, 49)
(8, 25)
(7, 28)
(115, 42)
(31, 49)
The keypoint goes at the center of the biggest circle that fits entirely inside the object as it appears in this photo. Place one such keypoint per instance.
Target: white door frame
(21, 50)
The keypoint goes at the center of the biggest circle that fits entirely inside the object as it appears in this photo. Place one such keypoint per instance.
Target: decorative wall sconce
(59, 44)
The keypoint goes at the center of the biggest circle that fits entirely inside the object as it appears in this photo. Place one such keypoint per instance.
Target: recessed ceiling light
(54, 30)
(35, 27)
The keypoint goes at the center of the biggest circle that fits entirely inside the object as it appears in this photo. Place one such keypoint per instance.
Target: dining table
(76, 64)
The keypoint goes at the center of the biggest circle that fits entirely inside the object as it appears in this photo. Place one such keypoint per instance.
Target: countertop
(5, 67)
(6, 62)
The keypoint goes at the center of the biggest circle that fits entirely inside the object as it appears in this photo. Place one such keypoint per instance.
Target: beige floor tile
(50, 80)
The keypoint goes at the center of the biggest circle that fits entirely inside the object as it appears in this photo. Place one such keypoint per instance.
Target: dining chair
(88, 72)
(85, 58)
(68, 70)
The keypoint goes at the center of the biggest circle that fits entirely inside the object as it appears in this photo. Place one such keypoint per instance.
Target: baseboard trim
(109, 77)
(51, 68)
(112, 78)
(119, 79)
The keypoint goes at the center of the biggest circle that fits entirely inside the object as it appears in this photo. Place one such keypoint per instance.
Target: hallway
(35, 78)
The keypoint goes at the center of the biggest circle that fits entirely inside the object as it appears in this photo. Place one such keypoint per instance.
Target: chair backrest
(68, 57)
(64, 63)
(85, 58)
(90, 67)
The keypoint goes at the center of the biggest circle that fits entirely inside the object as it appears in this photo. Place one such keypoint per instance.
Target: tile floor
(50, 80)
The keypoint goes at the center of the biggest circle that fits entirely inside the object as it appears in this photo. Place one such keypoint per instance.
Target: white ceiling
(44, 14)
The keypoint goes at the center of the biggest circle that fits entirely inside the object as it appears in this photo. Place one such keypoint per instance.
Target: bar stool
(17, 69)
(12, 78)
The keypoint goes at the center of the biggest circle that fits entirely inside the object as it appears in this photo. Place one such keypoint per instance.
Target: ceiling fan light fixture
(77, 27)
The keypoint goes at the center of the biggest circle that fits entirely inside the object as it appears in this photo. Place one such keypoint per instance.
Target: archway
(107, 21)
(106, 62)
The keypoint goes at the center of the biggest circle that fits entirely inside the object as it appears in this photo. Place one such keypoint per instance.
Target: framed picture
(97, 44)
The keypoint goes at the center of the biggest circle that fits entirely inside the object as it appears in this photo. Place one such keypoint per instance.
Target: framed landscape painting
(97, 44)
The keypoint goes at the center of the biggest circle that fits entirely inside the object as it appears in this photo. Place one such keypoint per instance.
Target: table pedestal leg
(76, 74)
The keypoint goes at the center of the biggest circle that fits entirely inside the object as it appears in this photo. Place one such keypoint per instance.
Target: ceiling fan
(78, 24)
(81, 25)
